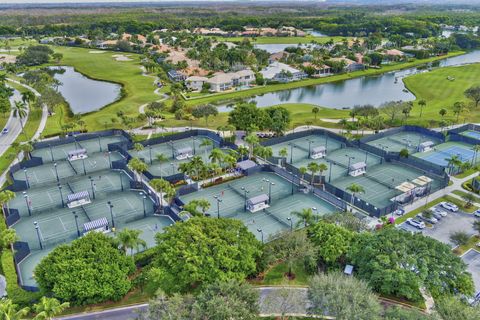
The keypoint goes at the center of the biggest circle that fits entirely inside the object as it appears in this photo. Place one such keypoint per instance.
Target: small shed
(357, 169)
(78, 199)
(99, 225)
(77, 154)
(318, 152)
(258, 203)
(183, 153)
(246, 165)
(425, 146)
(348, 270)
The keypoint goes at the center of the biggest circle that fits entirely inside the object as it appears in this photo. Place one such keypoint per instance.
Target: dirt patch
(121, 57)
(96, 51)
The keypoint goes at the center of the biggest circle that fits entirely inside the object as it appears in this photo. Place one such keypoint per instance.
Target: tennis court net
(73, 168)
(379, 181)
(240, 193)
(462, 157)
(300, 147)
(268, 213)
(397, 141)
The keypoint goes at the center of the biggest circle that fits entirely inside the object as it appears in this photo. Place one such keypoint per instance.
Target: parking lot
(472, 259)
(454, 221)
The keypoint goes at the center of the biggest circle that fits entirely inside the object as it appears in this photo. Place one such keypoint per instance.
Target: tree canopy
(91, 269)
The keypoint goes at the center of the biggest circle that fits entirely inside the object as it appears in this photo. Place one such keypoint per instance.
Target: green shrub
(144, 258)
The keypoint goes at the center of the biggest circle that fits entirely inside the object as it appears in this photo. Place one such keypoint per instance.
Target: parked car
(477, 213)
(399, 212)
(437, 215)
(439, 211)
(449, 206)
(431, 219)
(5, 130)
(416, 223)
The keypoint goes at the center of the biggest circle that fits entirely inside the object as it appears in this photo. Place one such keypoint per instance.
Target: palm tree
(343, 122)
(230, 161)
(138, 147)
(252, 141)
(28, 97)
(160, 157)
(322, 167)
(26, 148)
(453, 161)
(206, 143)
(216, 156)
(302, 171)
(442, 112)
(313, 168)
(475, 149)
(137, 166)
(458, 108)
(8, 237)
(306, 216)
(404, 153)
(315, 111)
(9, 311)
(161, 186)
(48, 308)
(20, 110)
(355, 189)
(242, 151)
(130, 239)
(186, 168)
(283, 153)
(197, 163)
(5, 197)
(422, 103)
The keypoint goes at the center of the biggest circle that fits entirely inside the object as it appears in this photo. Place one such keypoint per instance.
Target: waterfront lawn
(137, 88)
(439, 92)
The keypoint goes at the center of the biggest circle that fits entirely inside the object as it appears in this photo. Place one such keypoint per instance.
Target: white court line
(109, 181)
(63, 225)
(130, 204)
(50, 197)
(35, 176)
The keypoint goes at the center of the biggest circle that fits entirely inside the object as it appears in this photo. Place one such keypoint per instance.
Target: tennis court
(444, 151)
(170, 165)
(64, 169)
(472, 134)
(60, 152)
(271, 220)
(402, 140)
(150, 226)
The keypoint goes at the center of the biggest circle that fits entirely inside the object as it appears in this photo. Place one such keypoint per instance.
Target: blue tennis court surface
(440, 156)
(472, 134)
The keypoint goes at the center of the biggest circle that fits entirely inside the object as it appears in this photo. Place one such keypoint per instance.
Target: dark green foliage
(35, 55)
(89, 270)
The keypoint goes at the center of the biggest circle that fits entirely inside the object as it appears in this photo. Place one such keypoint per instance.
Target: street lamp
(26, 177)
(27, 202)
(330, 170)
(37, 229)
(100, 143)
(173, 151)
(291, 223)
(309, 147)
(51, 152)
(173, 168)
(92, 186)
(121, 179)
(61, 194)
(349, 161)
(291, 152)
(150, 153)
(110, 205)
(109, 159)
(261, 232)
(194, 149)
(143, 200)
(218, 205)
(270, 184)
(292, 181)
(76, 223)
(245, 191)
(84, 170)
(314, 209)
(366, 156)
(56, 171)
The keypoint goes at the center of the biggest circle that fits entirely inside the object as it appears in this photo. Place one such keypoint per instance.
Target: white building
(195, 83)
(282, 72)
(357, 169)
(225, 81)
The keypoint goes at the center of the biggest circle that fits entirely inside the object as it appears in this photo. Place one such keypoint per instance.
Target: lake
(373, 90)
(277, 47)
(84, 94)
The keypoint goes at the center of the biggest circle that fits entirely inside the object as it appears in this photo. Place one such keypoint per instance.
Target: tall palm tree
(214, 169)
(138, 147)
(355, 189)
(283, 153)
(48, 308)
(242, 151)
(5, 197)
(306, 216)
(453, 162)
(7, 238)
(26, 148)
(422, 103)
(137, 166)
(129, 238)
(303, 171)
(160, 157)
(313, 168)
(161, 186)
(205, 144)
(475, 149)
(315, 111)
(197, 163)
(322, 167)
(9, 311)
(216, 156)
(252, 140)
(28, 97)
(186, 168)
(20, 110)
(230, 161)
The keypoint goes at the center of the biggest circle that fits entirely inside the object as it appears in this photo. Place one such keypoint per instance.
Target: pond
(276, 47)
(84, 94)
(373, 90)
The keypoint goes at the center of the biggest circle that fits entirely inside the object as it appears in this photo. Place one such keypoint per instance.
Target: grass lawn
(307, 82)
(137, 88)
(462, 193)
(276, 276)
(470, 244)
(282, 40)
(439, 92)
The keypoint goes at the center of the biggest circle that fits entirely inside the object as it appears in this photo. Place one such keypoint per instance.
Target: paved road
(125, 313)
(13, 125)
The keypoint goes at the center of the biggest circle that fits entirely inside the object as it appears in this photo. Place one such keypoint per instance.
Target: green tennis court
(271, 220)
(442, 152)
(60, 152)
(402, 140)
(150, 226)
(168, 150)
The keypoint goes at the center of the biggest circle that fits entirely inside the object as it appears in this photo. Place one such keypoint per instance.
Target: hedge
(144, 258)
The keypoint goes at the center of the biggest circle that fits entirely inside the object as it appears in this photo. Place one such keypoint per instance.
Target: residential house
(282, 72)
(393, 55)
(195, 83)
(277, 56)
(320, 70)
(225, 81)
(350, 65)
(176, 76)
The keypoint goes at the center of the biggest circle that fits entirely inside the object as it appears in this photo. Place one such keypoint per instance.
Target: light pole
(56, 171)
(110, 159)
(150, 153)
(349, 161)
(173, 151)
(173, 168)
(61, 194)
(309, 147)
(92, 186)
(330, 170)
(218, 205)
(143, 200)
(27, 202)
(51, 152)
(291, 223)
(291, 152)
(84, 170)
(326, 142)
(37, 229)
(121, 179)
(110, 205)
(76, 223)
(26, 178)
(245, 191)
(314, 209)
(99, 143)
(366, 156)
(270, 184)
(291, 181)
(261, 232)
(194, 149)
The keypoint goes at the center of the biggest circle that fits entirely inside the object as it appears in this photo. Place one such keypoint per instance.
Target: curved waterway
(346, 94)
